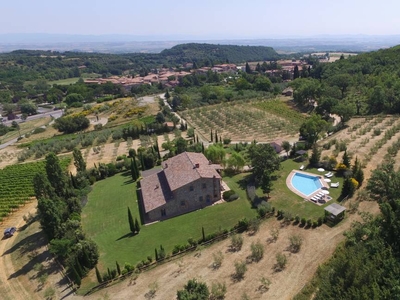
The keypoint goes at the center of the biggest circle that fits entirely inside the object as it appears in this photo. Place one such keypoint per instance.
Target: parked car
(9, 232)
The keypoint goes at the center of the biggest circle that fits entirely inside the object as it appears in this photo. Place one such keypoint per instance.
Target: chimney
(165, 165)
(197, 166)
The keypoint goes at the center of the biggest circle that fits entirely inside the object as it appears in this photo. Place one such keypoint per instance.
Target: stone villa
(185, 183)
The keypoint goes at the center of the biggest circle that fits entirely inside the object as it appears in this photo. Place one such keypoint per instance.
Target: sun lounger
(301, 167)
(329, 175)
(335, 184)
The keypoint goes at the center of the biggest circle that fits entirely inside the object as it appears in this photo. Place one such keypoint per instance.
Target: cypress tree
(248, 69)
(142, 162)
(197, 138)
(130, 219)
(109, 273)
(78, 267)
(296, 73)
(136, 168)
(137, 226)
(202, 148)
(99, 279)
(156, 254)
(346, 159)
(118, 268)
(203, 234)
(86, 260)
(211, 136)
(158, 151)
(76, 276)
(133, 170)
(73, 182)
(216, 137)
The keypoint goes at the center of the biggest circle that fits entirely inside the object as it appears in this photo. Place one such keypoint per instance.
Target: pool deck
(324, 184)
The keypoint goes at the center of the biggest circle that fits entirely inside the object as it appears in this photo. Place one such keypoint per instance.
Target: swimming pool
(306, 184)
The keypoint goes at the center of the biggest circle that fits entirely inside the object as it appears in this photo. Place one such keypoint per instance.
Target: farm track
(14, 288)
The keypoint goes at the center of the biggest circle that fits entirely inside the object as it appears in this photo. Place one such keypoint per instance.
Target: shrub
(377, 131)
(227, 194)
(320, 220)
(240, 270)
(257, 251)
(192, 242)
(297, 219)
(254, 225)
(281, 261)
(227, 141)
(243, 224)
(309, 222)
(38, 130)
(218, 291)
(274, 233)
(176, 249)
(295, 243)
(218, 258)
(265, 283)
(303, 221)
(233, 198)
(236, 242)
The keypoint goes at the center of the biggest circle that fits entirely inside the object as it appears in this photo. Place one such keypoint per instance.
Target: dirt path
(13, 288)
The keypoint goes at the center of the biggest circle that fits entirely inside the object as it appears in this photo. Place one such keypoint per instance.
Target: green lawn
(105, 216)
(284, 199)
(104, 219)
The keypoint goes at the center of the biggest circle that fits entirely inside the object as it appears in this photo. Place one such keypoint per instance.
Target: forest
(359, 85)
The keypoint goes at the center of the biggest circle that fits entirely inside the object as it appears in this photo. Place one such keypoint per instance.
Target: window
(183, 203)
(204, 185)
(163, 212)
(201, 198)
(208, 198)
(191, 188)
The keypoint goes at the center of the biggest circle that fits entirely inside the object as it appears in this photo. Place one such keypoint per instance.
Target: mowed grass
(284, 199)
(105, 220)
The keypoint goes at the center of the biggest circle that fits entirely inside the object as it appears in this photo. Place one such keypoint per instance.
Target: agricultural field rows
(371, 140)
(16, 184)
(261, 121)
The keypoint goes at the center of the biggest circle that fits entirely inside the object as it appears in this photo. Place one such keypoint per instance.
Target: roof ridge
(193, 163)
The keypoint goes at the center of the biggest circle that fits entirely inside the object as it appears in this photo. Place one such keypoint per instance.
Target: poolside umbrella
(327, 180)
(325, 192)
(321, 170)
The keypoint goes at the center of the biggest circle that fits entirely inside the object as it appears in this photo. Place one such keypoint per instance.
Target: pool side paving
(324, 185)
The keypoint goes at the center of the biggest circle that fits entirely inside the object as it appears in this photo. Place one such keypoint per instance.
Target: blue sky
(202, 18)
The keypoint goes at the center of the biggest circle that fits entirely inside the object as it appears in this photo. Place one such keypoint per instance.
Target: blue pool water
(306, 184)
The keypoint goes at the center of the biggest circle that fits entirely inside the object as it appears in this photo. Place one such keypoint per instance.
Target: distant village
(169, 77)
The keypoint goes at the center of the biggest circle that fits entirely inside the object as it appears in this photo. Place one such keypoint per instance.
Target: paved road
(55, 114)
